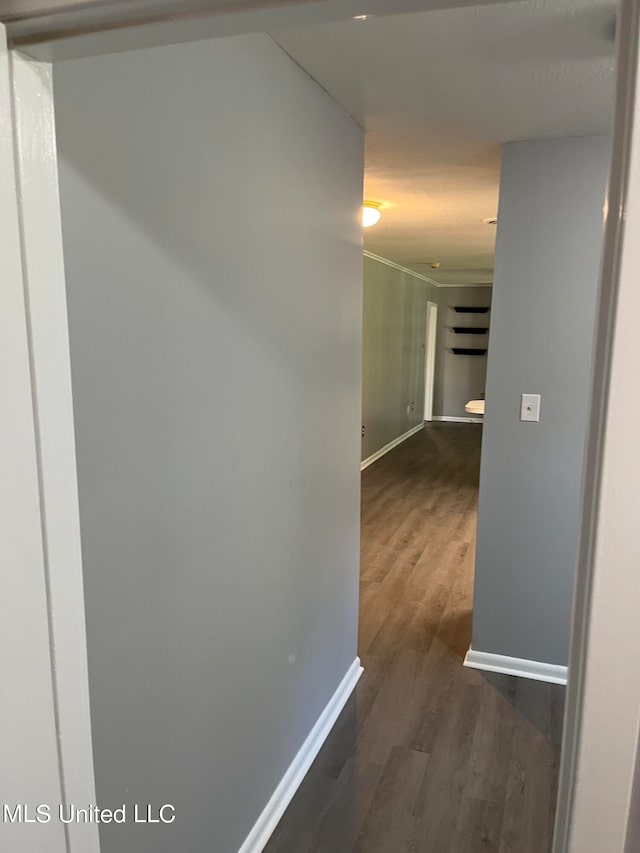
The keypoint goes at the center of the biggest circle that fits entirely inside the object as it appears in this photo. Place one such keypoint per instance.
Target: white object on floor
(475, 407)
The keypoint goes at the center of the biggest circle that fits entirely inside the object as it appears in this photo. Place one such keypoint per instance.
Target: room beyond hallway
(428, 756)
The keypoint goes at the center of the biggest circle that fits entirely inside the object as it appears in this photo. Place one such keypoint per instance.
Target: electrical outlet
(413, 406)
(530, 407)
(363, 430)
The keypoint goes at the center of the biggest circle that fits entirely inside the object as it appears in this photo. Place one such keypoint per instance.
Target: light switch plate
(530, 407)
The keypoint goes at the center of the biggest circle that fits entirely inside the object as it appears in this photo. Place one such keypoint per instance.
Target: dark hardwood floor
(427, 755)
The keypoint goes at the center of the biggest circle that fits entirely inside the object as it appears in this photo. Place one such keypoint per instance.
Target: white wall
(542, 333)
(460, 378)
(393, 361)
(210, 196)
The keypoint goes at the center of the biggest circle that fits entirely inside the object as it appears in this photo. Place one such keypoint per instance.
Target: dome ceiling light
(370, 213)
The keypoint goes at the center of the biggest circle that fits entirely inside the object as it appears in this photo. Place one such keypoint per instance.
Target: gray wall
(210, 200)
(542, 321)
(459, 378)
(394, 322)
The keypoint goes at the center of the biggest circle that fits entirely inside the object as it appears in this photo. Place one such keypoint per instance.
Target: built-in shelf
(470, 309)
(467, 351)
(470, 330)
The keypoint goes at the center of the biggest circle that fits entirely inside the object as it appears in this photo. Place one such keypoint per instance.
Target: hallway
(427, 755)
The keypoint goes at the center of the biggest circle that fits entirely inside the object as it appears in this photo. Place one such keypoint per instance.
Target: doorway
(430, 359)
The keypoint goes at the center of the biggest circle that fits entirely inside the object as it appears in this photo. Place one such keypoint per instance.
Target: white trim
(452, 420)
(431, 334)
(597, 801)
(290, 782)
(396, 266)
(538, 671)
(396, 441)
(30, 759)
(419, 275)
(45, 295)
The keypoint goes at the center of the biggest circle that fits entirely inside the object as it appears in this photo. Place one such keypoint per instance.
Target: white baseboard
(458, 420)
(283, 794)
(396, 441)
(554, 673)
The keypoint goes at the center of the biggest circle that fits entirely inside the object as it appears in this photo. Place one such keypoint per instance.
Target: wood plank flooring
(428, 757)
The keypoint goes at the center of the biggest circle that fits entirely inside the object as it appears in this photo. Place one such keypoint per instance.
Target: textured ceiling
(438, 92)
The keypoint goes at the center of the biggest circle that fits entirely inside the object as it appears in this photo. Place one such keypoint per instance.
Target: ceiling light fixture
(361, 17)
(370, 213)
(491, 220)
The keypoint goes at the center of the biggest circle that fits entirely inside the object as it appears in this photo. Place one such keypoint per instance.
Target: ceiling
(438, 92)
(37, 22)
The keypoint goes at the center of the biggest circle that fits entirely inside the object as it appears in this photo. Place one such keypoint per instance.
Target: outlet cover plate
(530, 407)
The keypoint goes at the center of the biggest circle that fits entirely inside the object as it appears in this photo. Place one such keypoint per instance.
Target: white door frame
(431, 329)
(40, 541)
(603, 701)
(46, 592)
(28, 720)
